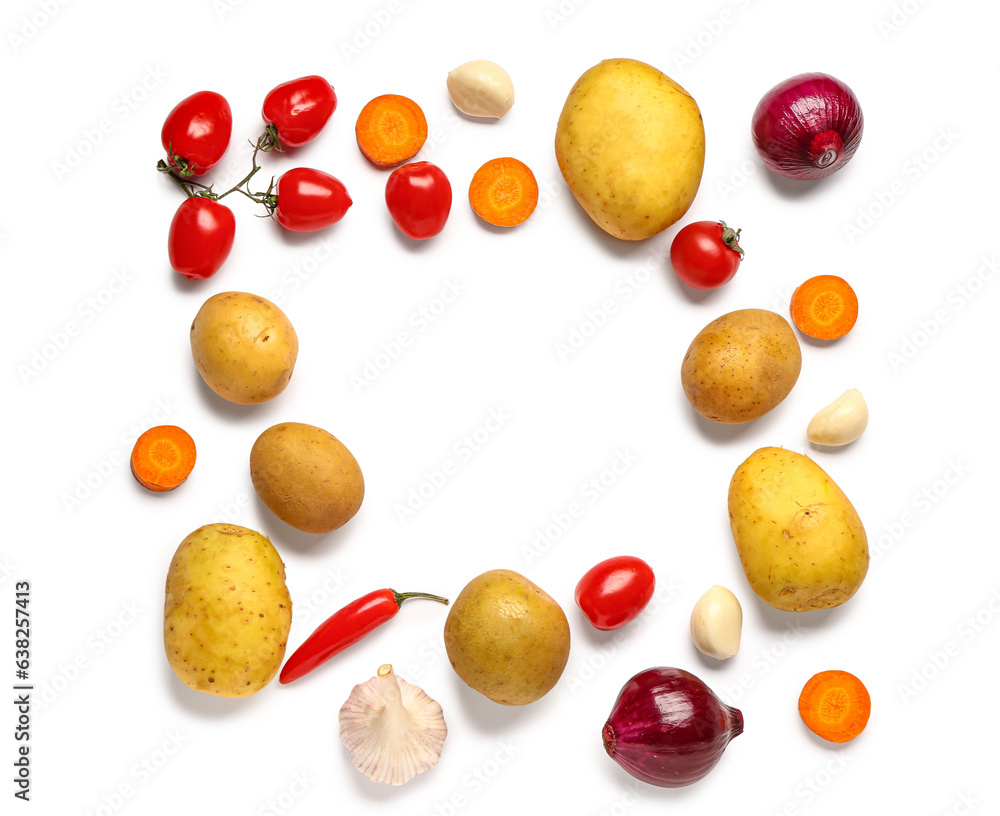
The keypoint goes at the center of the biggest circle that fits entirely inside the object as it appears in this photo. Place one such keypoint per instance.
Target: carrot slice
(163, 457)
(390, 129)
(503, 192)
(835, 705)
(824, 307)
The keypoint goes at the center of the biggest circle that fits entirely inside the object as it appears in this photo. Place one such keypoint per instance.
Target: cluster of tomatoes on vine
(196, 136)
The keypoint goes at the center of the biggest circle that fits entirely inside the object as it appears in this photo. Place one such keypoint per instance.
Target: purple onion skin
(807, 127)
(668, 728)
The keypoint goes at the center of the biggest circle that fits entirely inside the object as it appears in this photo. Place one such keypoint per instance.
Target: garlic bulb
(716, 623)
(481, 88)
(840, 422)
(392, 729)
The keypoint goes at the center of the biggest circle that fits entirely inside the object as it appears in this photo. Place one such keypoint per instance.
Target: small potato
(741, 365)
(244, 347)
(227, 611)
(306, 477)
(630, 143)
(799, 538)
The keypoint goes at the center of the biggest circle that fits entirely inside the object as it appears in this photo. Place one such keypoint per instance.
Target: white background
(910, 223)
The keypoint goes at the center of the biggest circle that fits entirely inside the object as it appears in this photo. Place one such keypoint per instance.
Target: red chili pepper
(346, 627)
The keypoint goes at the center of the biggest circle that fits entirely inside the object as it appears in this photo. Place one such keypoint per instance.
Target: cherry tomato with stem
(196, 133)
(201, 237)
(418, 196)
(706, 254)
(614, 592)
(296, 111)
(306, 200)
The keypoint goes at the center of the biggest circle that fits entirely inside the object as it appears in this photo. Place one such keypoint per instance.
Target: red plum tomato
(298, 110)
(614, 592)
(418, 196)
(196, 133)
(201, 237)
(310, 200)
(706, 254)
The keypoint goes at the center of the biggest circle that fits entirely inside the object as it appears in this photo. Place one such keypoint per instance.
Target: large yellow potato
(741, 365)
(244, 347)
(227, 611)
(630, 143)
(306, 477)
(799, 538)
(507, 638)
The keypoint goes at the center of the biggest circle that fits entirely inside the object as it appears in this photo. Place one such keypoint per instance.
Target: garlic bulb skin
(841, 422)
(392, 729)
(481, 88)
(717, 623)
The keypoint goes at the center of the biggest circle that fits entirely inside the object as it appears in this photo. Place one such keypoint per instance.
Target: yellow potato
(244, 347)
(799, 538)
(507, 638)
(630, 143)
(306, 477)
(741, 365)
(227, 611)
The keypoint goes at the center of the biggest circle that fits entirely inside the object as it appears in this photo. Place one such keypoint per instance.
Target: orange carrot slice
(503, 192)
(163, 457)
(824, 307)
(835, 705)
(390, 130)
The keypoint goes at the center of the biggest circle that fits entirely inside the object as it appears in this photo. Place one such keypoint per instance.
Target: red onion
(808, 126)
(668, 728)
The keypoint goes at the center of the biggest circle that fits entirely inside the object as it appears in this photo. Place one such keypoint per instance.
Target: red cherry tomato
(201, 237)
(418, 196)
(615, 591)
(309, 200)
(298, 109)
(196, 133)
(706, 254)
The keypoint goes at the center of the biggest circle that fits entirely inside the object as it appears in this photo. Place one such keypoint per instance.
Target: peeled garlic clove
(840, 422)
(392, 729)
(716, 623)
(481, 88)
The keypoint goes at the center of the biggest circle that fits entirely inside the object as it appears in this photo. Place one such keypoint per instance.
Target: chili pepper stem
(399, 597)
